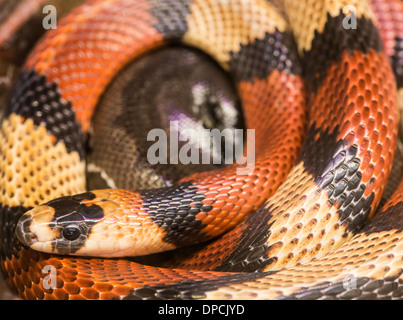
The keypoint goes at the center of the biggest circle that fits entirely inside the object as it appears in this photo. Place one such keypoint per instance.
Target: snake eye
(71, 232)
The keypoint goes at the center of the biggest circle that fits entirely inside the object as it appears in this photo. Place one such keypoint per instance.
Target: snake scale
(322, 99)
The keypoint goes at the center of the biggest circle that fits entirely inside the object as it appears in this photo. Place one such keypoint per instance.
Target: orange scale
(237, 184)
(246, 208)
(209, 219)
(54, 261)
(345, 130)
(68, 272)
(378, 182)
(26, 280)
(234, 215)
(228, 183)
(72, 288)
(222, 197)
(379, 118)
(227, 207)
(235, 192)
(75, 297)
(224, 190)
(379, 166)
(365, 156)
(365, 145)
(210, 229)
(37, 290)
(84, 283)
(107, 296)
(201, 215)
(220, 222)
(373, 145)
(240, 202)
(254, 198)
(370, 124)
(209, 201)
(216, 209)
(121, 290)
(89, 293)
(60, 294)
(210, 195)
(29, 295)
(361, 135)
(233, 199)
(35, 277)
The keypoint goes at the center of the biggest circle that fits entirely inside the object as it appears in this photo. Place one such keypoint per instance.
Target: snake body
(295, 223)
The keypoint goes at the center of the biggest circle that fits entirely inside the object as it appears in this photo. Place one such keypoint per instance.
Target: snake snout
(23, 231)
(33, 228)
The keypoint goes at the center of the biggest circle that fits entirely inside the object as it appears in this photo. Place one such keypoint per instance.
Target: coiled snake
(298, 226)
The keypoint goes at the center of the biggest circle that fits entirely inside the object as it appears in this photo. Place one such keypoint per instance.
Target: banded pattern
(346, 158)
(325, 199)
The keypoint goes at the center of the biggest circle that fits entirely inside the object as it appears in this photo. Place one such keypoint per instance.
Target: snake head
(62, 225)
(102, 223)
